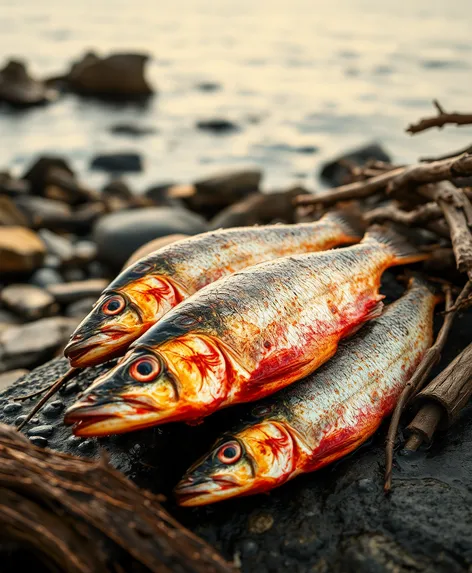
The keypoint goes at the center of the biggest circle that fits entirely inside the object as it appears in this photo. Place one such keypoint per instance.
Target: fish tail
(403, 251)
(417, 281)
(351, 224)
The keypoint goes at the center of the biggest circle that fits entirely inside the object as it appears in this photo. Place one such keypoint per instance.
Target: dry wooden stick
(418, 379)
(51, 390)
(83, 516)
(458, 214)
(418, 216)
(446, 169)
(467, 149)
(443, 399)
(440, 120)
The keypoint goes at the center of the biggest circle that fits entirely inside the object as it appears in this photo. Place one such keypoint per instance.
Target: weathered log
(83, 516)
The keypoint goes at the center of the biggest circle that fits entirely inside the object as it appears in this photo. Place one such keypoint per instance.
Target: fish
(324, 416)
(242, 338)
(144, 292)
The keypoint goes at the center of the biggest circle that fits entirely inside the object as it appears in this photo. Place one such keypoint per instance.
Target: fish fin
(374, 312)
(416, 280)
(403, 251)
(352, 224)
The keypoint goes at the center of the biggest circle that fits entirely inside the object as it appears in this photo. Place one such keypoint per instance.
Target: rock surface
(120, 234)
(21, 250)
(18, 88)
(118, 75)
(335, 172)
(9, 378)
(117, 162)
(28, 301)
(334, 520)
(30, 344)
(67, 293)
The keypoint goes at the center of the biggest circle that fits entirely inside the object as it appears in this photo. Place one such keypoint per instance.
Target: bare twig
(421, 173)
(440, 120)
(390, 212)
(418, 379)
(83, 516)
(51, 391)
(467, 149)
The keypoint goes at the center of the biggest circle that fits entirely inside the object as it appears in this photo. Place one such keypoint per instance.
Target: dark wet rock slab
(334, 520)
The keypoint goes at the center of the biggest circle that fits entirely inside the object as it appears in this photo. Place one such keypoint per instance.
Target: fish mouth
(85, 350)
(191, 492)
(113, 416)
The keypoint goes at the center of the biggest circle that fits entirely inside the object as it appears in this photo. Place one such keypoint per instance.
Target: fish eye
(145, 369)
(113, 305)
(229, 453)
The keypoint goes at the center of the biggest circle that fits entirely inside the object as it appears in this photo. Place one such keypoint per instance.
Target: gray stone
(132, 129)
(39, 441)
(28, 301)
(10, 214)
(335, 172)
(119, 235)
(45, 277)
(85, 251)
(43, 212)
(18, 88)
(53, 409)
(117, 162)
(217, 125)
(44, 430)
(57, 245)
(70, 292)
(74, 274)
(9, 378)
(30, 344)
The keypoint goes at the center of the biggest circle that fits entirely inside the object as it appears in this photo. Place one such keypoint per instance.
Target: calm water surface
(328, 75)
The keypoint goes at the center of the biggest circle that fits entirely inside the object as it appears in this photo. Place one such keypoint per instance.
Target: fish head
(253, 460)
(130, 396)
(154, 384)
(124, 312)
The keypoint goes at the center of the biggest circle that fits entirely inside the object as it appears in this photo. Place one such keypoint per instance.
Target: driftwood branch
(418, 379)
(82, 516)
(446, 169)
(440, 120)
(442, 399)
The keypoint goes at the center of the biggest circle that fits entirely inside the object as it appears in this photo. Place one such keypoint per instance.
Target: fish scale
(327, 414)
(243, 337)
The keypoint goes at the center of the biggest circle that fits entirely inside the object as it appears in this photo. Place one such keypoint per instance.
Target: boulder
(52, 177)
(42, 212)
(19, 88)
(152, 246)
(13, 187)
(259, 209)
(118, 75)
(85, 251)
(222, 189)
(28, 301)
(21, 250)
(117, 195)
(70, 292)
(336, 172)
(80, 308)
(117, 162)
(337, 519)
(120, 234)
(217, 125)
(31, 344)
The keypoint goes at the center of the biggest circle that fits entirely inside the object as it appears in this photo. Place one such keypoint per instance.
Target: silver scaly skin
(325, 415)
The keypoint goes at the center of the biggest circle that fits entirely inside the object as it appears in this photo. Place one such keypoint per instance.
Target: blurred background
(297, 81)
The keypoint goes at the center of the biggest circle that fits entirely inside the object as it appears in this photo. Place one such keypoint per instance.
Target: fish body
(324, 416)
(148, 289)
(241, 338)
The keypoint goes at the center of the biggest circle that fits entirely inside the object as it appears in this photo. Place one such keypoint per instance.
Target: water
(329, 75)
